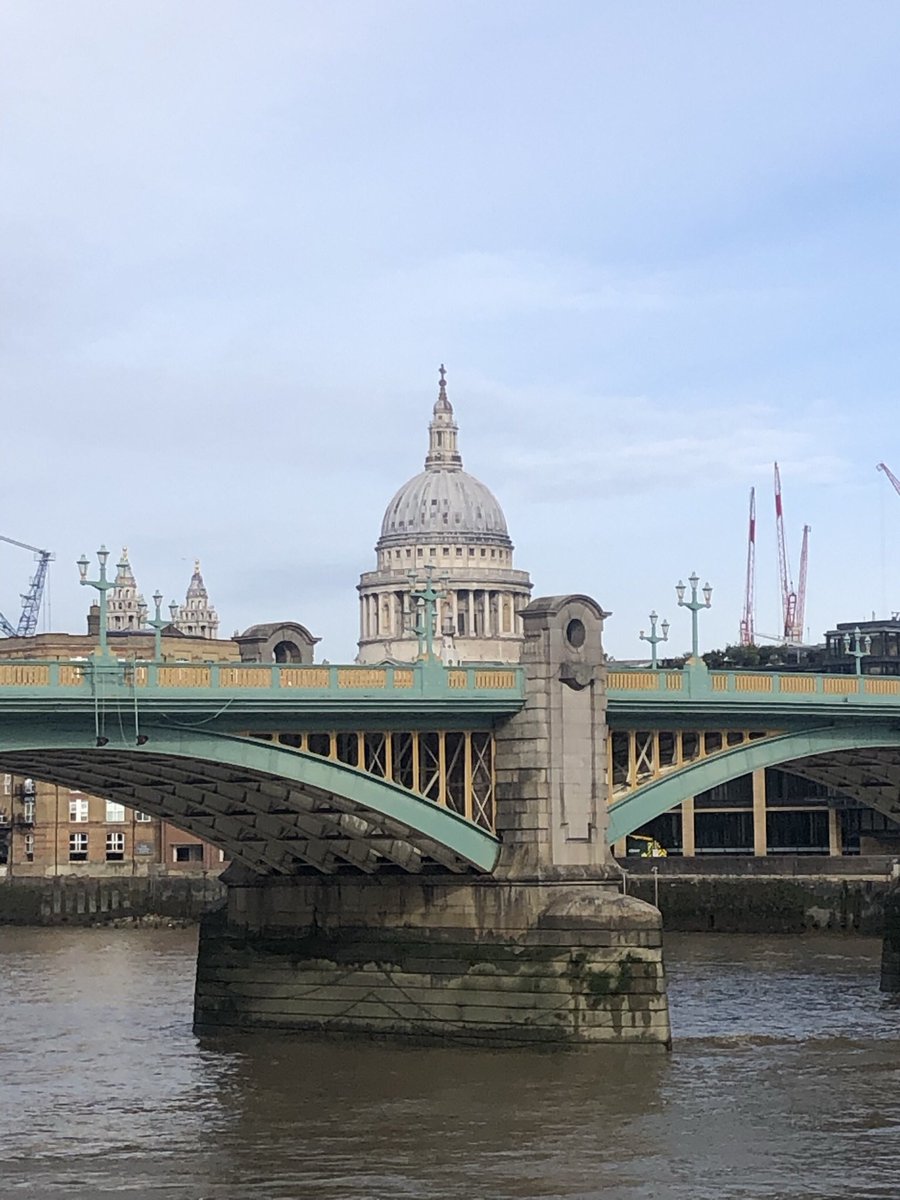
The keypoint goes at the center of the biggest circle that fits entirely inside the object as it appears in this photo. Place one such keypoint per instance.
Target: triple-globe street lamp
(859, 647)
(695, 606)
(654, 638)
(102, 585)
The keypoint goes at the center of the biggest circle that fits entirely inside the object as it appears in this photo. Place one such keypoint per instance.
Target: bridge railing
(701, 684)
(276, 678)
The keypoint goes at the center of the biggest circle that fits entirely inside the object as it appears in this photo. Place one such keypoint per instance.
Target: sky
(655, 244)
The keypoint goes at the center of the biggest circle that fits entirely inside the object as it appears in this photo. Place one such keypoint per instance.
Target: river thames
(784, 1082)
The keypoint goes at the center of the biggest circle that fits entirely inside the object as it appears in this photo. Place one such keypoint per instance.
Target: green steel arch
(658, 796)
(275, 809)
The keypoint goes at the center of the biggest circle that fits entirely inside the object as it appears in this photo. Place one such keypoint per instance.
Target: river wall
(766, 895)
(762, 895)
(79, 900)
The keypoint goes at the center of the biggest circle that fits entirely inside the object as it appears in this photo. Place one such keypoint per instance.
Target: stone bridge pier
(546, 949)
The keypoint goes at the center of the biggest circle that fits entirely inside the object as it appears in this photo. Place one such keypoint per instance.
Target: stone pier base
(890, 948)
(482, 961)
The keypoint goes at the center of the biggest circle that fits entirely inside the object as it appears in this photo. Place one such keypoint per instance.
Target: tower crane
(793, 601)
(800, 619)
(31, 600)
(747, 631)
(890, 474)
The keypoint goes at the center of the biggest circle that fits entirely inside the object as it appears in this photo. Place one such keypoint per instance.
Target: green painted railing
(627, 687)
(279, 682)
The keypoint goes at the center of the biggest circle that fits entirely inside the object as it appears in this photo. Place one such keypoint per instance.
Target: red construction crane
(793, 605)
(891, 476)
(747, 632)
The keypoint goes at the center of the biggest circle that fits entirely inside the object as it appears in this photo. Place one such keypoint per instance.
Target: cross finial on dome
(443, 404)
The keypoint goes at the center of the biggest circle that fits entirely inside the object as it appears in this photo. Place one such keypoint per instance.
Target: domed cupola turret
(446, 519)
(443, 432)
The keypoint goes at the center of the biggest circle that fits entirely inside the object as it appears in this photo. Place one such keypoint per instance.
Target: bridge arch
(275, 809)
(864, 763)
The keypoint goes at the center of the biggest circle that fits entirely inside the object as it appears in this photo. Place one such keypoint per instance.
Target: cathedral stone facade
(444, 524)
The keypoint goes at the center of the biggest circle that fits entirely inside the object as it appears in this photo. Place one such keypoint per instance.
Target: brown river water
(784, 1082)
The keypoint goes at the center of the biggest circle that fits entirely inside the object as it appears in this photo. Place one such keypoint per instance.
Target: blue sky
(656, 246)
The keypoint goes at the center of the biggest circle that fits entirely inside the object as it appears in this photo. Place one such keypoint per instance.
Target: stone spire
(125, 605)
(196, 617)
(443, 452)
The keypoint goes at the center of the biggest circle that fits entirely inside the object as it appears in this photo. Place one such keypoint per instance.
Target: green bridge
(425, 849)
(331, 767)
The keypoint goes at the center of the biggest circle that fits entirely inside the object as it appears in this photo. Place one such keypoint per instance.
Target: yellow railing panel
(798, 684)
(245, 677)
(674, 681)
(882, 687)
(488, 680)
(840, 685)
(362, 677)
(753, 683)
(303, 677)
(633, 681)
(719, 683)
(70, 675)
(456, 679)
(403, 679)
(25, 675)
(184, 677)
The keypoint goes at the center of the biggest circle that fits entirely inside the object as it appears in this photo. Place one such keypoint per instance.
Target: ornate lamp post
(859, 648)
(694, 605)
(102, 585)
(426, 597)
(654, 638)
(157, 625)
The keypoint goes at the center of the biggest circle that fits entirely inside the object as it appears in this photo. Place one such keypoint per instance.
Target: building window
(115, 847)
(78, 810)
(7, 784)
(78, 847)
(187, 854)
(114, 812)
(28, 810)
(29, 847)
(144, 818)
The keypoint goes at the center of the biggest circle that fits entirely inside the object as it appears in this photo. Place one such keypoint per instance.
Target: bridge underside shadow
(862, 764)
(277, 811)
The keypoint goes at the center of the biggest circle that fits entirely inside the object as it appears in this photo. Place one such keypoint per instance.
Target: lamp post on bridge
(858, 648)
(101, 585)
(157, 625)
(695, 606)
(426, 597)
(654, 638)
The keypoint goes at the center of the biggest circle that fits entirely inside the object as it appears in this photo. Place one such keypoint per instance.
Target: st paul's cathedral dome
(448, 520)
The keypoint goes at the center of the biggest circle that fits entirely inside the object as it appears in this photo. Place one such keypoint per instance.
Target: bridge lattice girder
(277, 810)
(863, 762)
